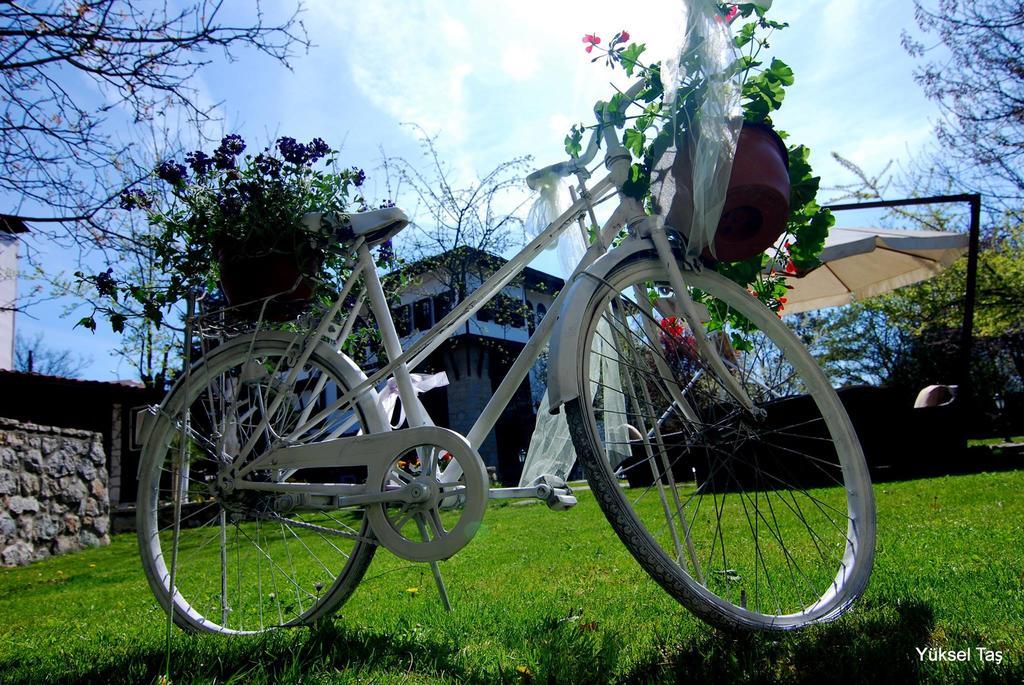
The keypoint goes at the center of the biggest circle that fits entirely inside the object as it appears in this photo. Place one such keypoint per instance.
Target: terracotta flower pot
(756, 203)
(248, 280)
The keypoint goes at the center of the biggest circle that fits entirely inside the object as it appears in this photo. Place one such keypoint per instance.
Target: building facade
(10, 228)
(477, 358)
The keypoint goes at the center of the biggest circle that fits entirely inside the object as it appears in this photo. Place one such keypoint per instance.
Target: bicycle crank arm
(552, 490)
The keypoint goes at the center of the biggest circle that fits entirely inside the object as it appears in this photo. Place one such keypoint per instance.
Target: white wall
(8, 295)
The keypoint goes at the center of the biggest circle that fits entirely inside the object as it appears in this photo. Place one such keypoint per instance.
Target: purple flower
(231, 145)
(358, 177)
(316, 149)
(267, 165)
(134, 198)
(199, 161)
(386, 253)
(230, 204)
(292, 151)
(172, 172)
(223, 161)
(250, 190)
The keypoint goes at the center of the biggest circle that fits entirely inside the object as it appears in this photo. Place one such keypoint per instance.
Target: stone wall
(53, 491)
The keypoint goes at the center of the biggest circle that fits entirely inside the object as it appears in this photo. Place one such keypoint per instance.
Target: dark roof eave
(12, 224)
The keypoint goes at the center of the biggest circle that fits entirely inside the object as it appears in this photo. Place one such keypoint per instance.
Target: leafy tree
(911, 336)
(977, 79)
(66, 69)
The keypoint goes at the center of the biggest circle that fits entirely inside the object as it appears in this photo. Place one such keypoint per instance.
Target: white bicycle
(724, 460)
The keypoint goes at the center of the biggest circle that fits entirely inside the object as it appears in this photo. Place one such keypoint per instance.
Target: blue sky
(499, 79)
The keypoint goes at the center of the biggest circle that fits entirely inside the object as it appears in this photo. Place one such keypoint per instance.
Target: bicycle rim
(245, 561)
(752, 522)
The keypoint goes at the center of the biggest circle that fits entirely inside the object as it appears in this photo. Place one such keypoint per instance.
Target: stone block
(72, 524)
(27, 527)
(86, 469)
(8, 483)
(30, 484)
(65, 544)
(89, 539)
(47, 527)
(18, 554)
(20, 504)
(59, 464)
(101, 525)
(32, 460)
(99, 489)
(7, 527)
(96, 452)
(70, 490)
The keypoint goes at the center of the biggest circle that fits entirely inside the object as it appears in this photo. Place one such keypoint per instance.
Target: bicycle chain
(324, 529)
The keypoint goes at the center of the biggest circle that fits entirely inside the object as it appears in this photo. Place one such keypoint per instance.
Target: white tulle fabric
(707, 131)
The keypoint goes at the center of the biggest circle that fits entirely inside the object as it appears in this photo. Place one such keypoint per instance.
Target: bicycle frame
(401, 362)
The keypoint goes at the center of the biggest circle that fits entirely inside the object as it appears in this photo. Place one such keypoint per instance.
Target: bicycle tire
(261, 587)
(771, 468)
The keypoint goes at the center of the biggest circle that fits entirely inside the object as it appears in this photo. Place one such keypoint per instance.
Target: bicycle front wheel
(244, 560)
(756, 518)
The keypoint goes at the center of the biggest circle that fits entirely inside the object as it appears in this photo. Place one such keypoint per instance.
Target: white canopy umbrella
(862, 262)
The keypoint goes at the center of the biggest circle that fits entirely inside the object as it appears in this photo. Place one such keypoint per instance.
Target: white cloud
(519, 64)
(412, 61)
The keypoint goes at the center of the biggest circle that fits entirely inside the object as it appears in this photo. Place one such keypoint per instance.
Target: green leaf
(781, 71)
(87, 322)
(744, 35)
(573, 141)
(117, 322)
(616, 111)
(634, 141)
(630, 57)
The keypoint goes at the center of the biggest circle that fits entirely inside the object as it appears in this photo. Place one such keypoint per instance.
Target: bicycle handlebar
(572, 166)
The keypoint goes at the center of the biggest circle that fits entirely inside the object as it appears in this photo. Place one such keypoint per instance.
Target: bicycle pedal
(559, 501)
(555, 492)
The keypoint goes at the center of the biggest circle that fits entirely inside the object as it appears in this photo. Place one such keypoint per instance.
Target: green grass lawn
(554, 597)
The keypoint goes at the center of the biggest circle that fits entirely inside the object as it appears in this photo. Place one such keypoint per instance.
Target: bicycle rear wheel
(246, 561)
(753, 520)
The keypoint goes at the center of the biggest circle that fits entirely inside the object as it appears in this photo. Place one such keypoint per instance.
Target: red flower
(732, 14)
(624, 36)
(672, 326)
(790, 267)
(591, 40)
(783, 300)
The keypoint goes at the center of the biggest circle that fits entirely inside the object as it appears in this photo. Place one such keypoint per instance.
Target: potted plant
(234, 221)
(772, 190)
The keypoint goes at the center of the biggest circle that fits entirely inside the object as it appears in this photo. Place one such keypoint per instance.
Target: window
(422, 317)
(541, 311)
(403, 319)
(504, 311)
(443, 304)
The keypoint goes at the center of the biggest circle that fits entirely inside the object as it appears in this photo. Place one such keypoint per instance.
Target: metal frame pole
(971, 284)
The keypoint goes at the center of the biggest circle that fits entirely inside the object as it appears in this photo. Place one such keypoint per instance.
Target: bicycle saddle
(377, 225)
